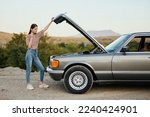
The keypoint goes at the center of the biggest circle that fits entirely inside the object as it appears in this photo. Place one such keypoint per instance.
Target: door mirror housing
(125, 49)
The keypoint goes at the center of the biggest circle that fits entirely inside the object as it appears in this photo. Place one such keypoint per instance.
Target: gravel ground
(13, 87)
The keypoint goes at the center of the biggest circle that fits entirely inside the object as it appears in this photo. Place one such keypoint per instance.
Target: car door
(135, 64)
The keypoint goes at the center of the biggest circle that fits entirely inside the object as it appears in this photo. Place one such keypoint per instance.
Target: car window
(134, 44)
(147, 44)
(112, 47)
(141, 44)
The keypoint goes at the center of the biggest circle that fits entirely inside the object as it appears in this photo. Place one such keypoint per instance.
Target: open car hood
(62, 17)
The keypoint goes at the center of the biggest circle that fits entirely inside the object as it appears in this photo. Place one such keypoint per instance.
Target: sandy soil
(13, 86)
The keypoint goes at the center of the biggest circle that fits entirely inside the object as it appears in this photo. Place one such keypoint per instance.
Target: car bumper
(56, 75)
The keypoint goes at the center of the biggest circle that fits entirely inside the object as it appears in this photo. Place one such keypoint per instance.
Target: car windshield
(112, 47)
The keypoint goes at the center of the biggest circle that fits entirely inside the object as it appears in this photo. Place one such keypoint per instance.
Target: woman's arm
(48, 25)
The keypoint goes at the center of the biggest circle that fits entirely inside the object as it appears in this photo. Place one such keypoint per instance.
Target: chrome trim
(49, 70)
(102, 72)
(131, 72)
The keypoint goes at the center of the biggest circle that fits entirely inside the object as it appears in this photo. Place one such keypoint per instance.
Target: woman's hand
(52, 19)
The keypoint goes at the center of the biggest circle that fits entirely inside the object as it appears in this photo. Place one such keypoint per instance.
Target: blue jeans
(32, 56)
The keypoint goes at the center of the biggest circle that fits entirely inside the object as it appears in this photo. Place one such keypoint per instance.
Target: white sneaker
(30, 87)
(43, 85)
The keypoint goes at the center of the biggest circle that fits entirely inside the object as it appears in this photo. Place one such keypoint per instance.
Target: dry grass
(6, 37)
(102, 40)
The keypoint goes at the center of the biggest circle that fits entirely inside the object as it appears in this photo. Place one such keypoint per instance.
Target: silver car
(125, 59)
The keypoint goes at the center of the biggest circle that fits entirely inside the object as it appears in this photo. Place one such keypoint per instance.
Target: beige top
(35, 40)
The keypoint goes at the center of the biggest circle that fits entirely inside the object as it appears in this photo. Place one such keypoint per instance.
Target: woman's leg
(39, 65)
(28, 60)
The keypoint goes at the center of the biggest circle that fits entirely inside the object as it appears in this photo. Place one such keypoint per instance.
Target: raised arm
(48, 25)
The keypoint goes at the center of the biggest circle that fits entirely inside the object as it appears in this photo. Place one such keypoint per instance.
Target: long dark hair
(31, 27)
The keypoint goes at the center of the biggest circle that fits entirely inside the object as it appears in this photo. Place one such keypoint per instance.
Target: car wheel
(78, 79)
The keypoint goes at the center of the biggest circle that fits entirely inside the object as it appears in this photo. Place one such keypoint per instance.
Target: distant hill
(104, 40)
(101, 33)
(5, 37)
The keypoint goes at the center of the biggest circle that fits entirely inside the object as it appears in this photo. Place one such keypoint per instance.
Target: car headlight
(54, 63)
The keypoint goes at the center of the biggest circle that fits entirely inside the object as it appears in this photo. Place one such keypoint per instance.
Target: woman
(32, 41)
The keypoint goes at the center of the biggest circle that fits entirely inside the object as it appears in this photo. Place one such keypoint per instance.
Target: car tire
(78, 79)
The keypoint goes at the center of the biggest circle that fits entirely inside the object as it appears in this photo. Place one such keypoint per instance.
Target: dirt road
(13, 86)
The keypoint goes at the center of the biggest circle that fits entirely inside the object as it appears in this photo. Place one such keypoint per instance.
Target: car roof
(140, 33)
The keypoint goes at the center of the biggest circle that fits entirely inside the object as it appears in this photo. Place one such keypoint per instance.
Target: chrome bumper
(56, 75)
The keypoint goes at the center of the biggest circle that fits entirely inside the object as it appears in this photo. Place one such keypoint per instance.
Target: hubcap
(78, 80)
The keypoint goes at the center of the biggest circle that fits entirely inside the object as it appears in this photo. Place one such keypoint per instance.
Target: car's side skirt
(104, 75)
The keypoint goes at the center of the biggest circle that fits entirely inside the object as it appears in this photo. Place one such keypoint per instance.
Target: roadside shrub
(3, 57)
(16, 49)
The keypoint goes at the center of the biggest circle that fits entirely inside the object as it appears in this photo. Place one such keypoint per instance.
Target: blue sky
(122, 16)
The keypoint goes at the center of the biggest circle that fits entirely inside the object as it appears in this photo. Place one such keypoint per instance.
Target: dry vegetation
(5, 37)
(103, 40)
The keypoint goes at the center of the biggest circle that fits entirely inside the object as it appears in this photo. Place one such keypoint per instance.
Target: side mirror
(125, 49)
